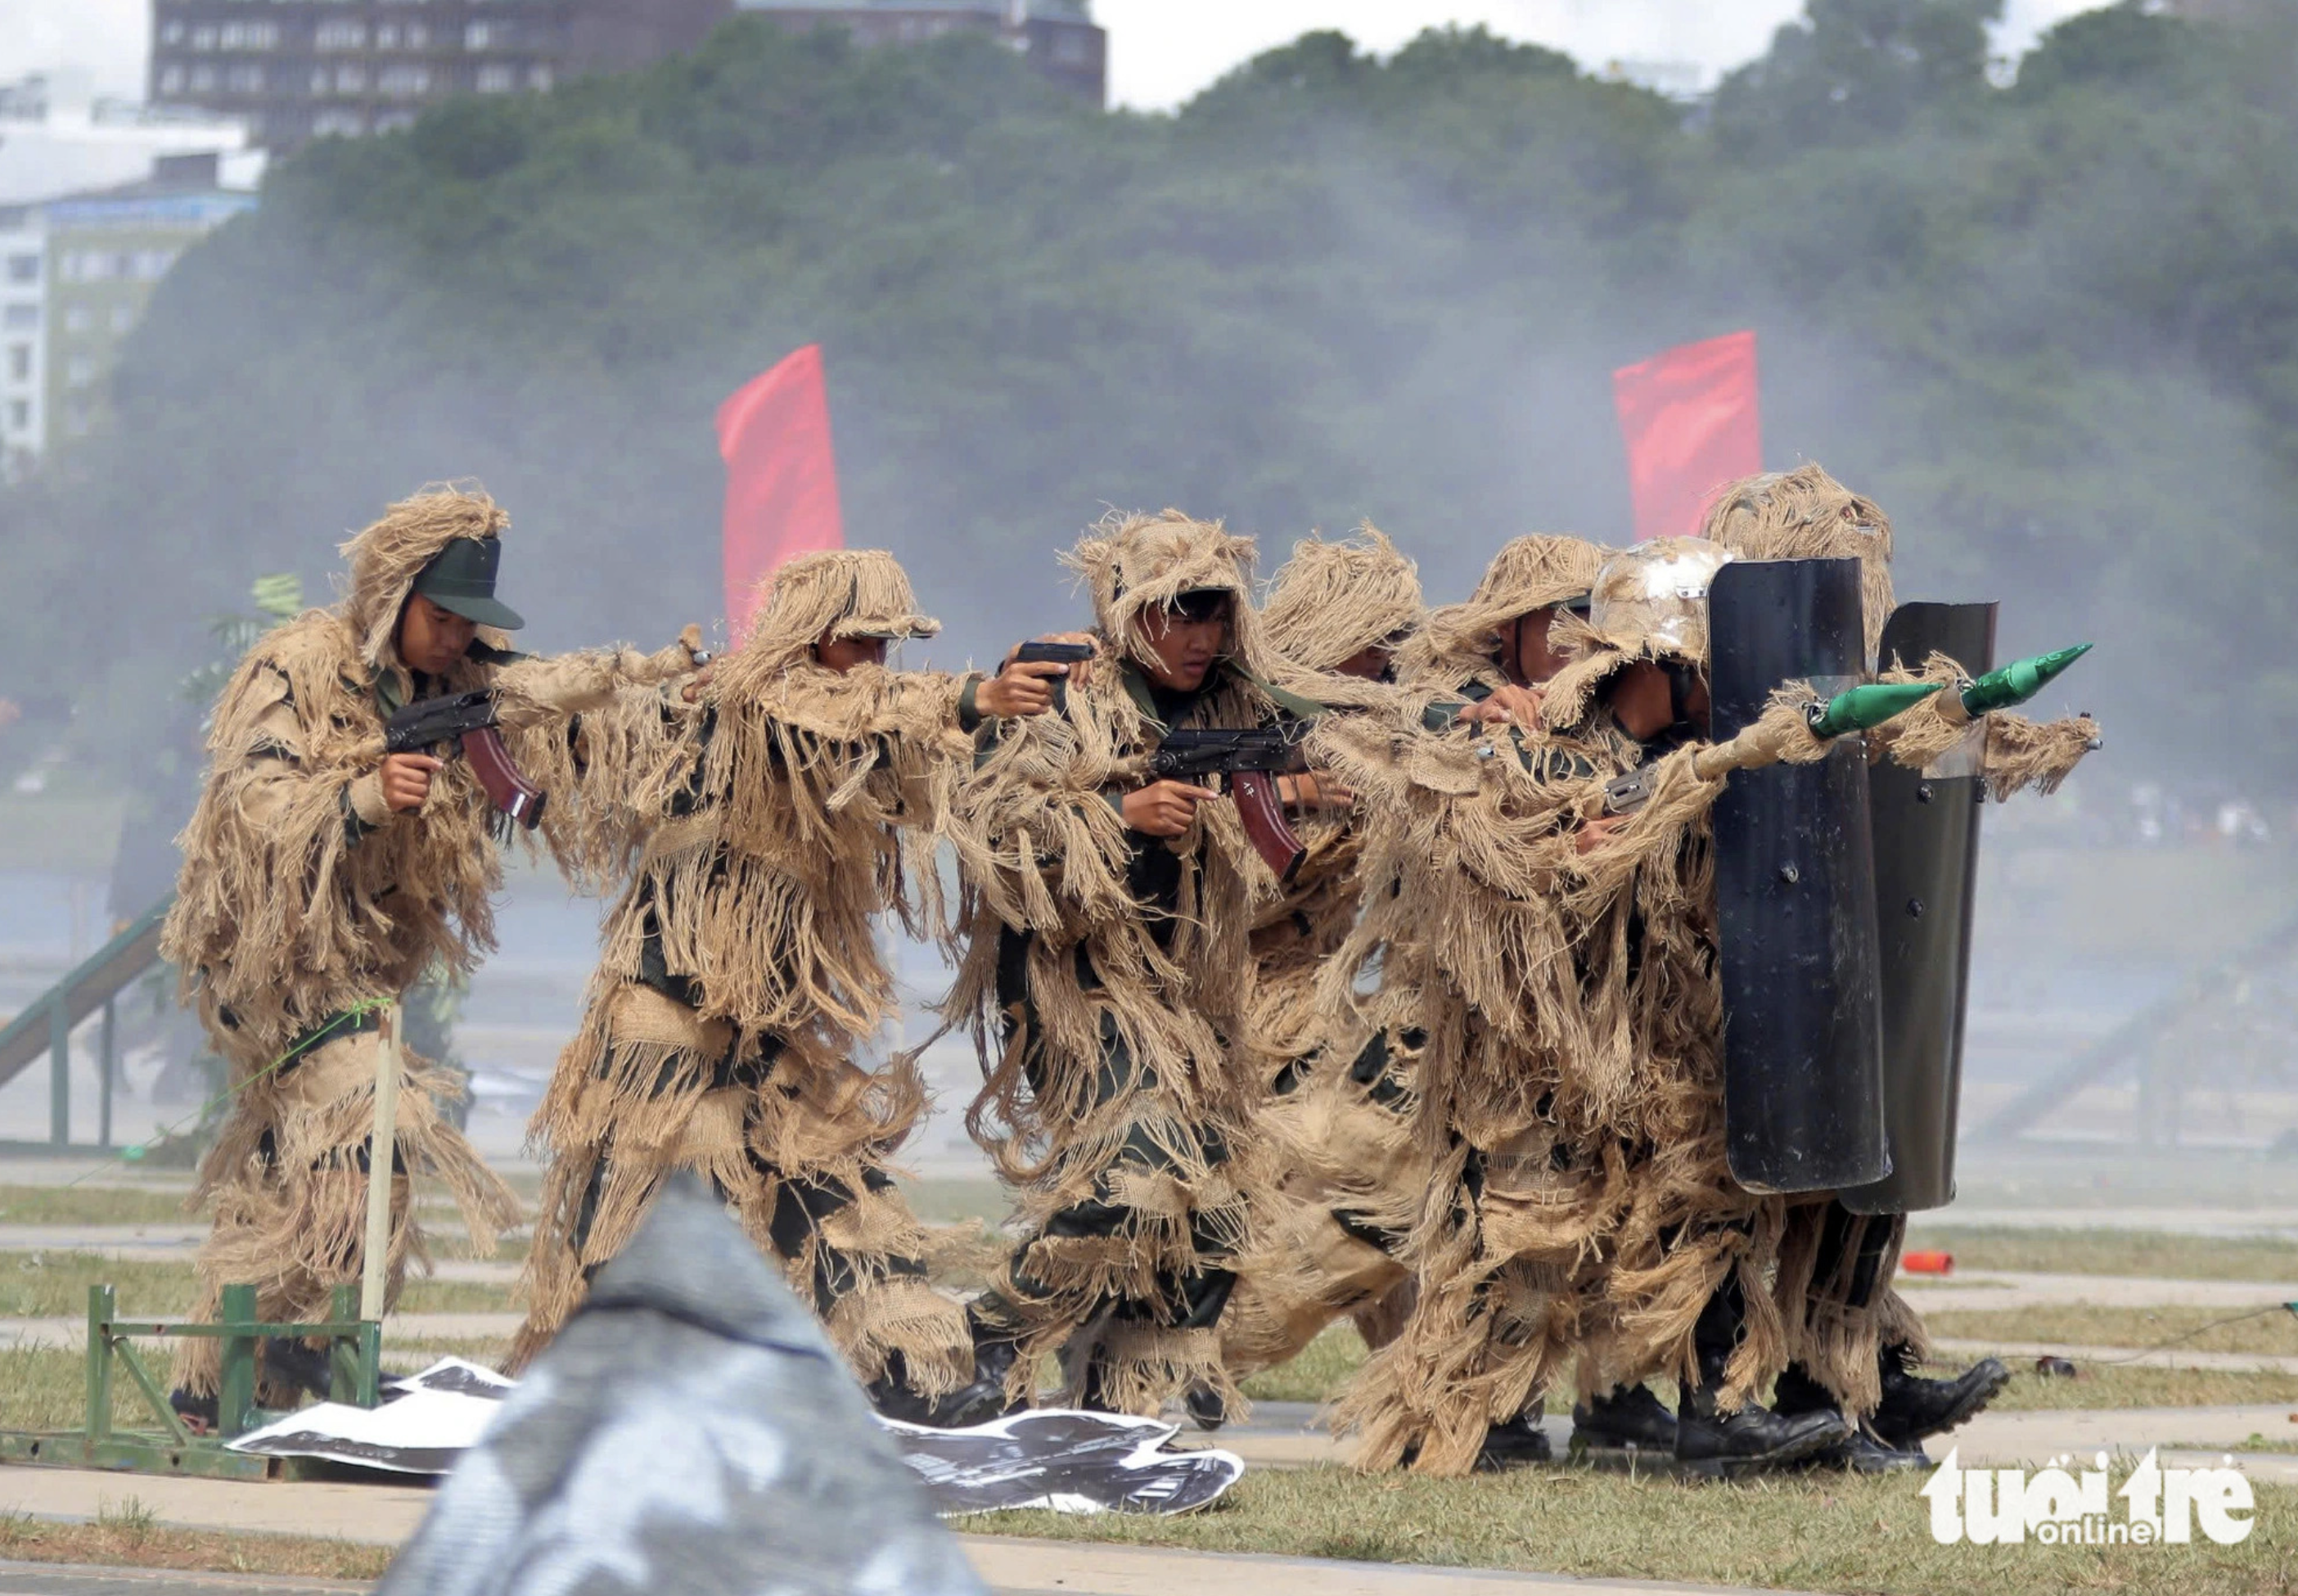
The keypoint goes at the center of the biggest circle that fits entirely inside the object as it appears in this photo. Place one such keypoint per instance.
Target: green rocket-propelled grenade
(1859, 708)
(2011, 685)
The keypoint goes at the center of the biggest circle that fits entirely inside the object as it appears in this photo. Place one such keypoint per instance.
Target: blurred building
(23, 314)
(57, 137)
(75, 276)
(1058, 38)
(296, 70)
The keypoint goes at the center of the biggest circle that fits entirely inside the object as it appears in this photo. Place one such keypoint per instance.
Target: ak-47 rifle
(1249, 763)
(469, 719)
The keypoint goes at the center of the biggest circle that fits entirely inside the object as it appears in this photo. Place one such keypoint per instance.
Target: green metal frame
(355, 1354)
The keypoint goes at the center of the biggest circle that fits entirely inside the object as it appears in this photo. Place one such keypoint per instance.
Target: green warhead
(2013, 684)
(1858, 709)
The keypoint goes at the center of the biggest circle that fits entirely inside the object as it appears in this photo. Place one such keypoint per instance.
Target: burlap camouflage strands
(302, 896)
(1458, 645)
(741, 971)
(1124, 1073)
(1349, 1173)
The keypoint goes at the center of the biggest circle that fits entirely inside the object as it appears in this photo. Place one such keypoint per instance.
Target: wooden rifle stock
(1254, 793)
(507, 788)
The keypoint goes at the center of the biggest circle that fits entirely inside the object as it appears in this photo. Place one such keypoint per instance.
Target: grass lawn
(124, 1536)
(1817, 1534)
(46, 1388)
(2110, 1253)
(86, 1205)
(2076, 1324)
(1318, 1374)
(46, 1284)
(950, 1201)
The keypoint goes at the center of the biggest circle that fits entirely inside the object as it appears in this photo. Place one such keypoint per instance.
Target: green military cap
(461, 579)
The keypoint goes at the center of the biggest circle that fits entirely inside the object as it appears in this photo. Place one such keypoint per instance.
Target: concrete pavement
(2279, 1221)
(79, 1579)
(2169, 1357)
(1995, 1290)
(1280, 1435)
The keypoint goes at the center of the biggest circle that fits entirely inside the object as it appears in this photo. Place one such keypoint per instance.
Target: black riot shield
(1926, 826)
(1795, 888)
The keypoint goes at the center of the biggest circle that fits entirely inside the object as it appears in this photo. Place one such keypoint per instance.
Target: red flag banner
(1693, 422)
(782, 477)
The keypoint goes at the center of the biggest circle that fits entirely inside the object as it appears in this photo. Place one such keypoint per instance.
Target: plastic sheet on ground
(1057, 1459)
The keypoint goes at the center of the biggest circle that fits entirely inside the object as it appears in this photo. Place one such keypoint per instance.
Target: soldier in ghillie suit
(799, 802)
(1570, 1083)
(1493, 652)
(1572, 988)
(1358, 1178)
(1348, 1168)
(1855, 1344)
(1108, 973)
(321, 879)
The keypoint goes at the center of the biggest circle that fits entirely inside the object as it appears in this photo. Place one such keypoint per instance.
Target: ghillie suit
(1463, 650)
(1571, 1081)
(1349, 1172)
(741, 973)
(305, 903)
(1107, 977)
(1850, 1332)
(1359, 1177)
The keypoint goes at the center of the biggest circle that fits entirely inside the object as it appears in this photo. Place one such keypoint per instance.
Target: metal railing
(45, 1024)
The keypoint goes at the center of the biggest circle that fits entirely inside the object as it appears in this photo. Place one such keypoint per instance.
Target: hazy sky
(1161, 50)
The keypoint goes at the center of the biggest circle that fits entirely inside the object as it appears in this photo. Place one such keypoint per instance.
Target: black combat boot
(1626, 1418)
(1914, 1407)
(1754, 1438)
(1866, 1452)
(199, 1413)
(1205, 1406)
(1862, 1451)
(289, 1362)
(977, 1401)
(1516, 1442)
(1093, 1392)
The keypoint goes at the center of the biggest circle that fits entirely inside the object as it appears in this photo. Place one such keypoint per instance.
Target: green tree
(1854, 69)
(2054, 327)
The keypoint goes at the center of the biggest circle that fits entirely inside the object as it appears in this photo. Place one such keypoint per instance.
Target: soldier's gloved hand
(1164, 808)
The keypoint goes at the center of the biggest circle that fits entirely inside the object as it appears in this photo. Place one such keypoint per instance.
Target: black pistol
(1045, 653)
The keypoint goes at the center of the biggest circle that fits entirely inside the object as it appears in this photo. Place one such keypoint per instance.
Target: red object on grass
(782, 477)
(1927, 1263)
(1692, 419)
